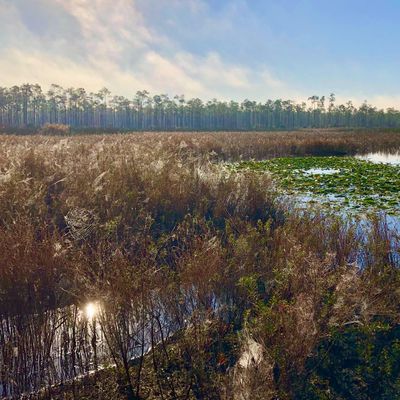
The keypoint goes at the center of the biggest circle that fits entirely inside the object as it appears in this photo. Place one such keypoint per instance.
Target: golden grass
(149, 225)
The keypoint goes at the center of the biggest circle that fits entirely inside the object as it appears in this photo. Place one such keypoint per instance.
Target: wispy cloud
(378, 101)
(109, 28)
(21, 67)
(115, 47)
(191, 47)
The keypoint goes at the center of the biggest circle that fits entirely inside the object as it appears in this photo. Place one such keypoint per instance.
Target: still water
(381, 157)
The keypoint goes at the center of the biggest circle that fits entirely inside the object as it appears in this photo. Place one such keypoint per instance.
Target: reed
(187, 263)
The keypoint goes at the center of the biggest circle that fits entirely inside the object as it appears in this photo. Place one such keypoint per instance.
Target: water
(321, 171)
(72, 344)
(66, 343)
(346, 206)
(381, 157)
(338, 202)
(78, 345)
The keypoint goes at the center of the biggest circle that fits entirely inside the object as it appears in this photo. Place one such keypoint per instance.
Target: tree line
(28, 106)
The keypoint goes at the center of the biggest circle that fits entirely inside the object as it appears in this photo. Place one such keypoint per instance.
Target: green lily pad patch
(337, 181)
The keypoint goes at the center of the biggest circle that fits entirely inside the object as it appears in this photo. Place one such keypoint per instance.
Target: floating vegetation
(337, 181)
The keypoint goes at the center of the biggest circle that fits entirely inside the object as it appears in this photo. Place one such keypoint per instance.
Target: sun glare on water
(91, 310)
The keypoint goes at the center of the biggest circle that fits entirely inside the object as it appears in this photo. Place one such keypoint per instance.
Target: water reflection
(321, 171)
(381, 157)
(71, 342)
(91, 310)
(348, 206)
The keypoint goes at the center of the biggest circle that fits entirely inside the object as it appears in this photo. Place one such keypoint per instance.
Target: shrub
(55, 129)
(191, 264)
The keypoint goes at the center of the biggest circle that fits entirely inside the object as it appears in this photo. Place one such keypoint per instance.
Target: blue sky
(229, 49)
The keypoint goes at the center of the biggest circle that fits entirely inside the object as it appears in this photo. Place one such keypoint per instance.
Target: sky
(224, 49)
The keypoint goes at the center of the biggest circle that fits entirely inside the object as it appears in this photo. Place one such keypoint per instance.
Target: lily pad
(359, 184)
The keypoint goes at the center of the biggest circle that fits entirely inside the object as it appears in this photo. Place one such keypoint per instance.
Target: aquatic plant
(337, 181)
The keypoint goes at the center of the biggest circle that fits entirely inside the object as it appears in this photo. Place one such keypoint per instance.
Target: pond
(74, 346)
(74, 342)
(351, 184)
(381, 157)
(356, 188)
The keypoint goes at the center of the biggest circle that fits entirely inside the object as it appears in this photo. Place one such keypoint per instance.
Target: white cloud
(215, 71)
(384, 101)
(115, 43)
(380, 101)
(19, 67)
(109, 28)
(167, 76)
(270, 80)
(117, 48)
(114, 47)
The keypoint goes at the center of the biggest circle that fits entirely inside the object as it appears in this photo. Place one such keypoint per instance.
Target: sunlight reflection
(91, 310)
(381, 157)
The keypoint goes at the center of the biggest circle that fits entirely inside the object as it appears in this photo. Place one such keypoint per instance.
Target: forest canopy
(29, 106)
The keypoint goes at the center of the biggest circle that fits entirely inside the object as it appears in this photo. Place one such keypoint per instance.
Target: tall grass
(188, 263)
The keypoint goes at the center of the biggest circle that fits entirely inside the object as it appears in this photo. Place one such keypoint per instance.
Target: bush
(192, 262)
(358, 363)
(55, 129)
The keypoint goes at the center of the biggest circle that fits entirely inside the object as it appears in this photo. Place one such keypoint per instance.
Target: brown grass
(152, 228)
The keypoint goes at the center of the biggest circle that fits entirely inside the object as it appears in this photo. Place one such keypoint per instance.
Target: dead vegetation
(55, 130)
(190, 265)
